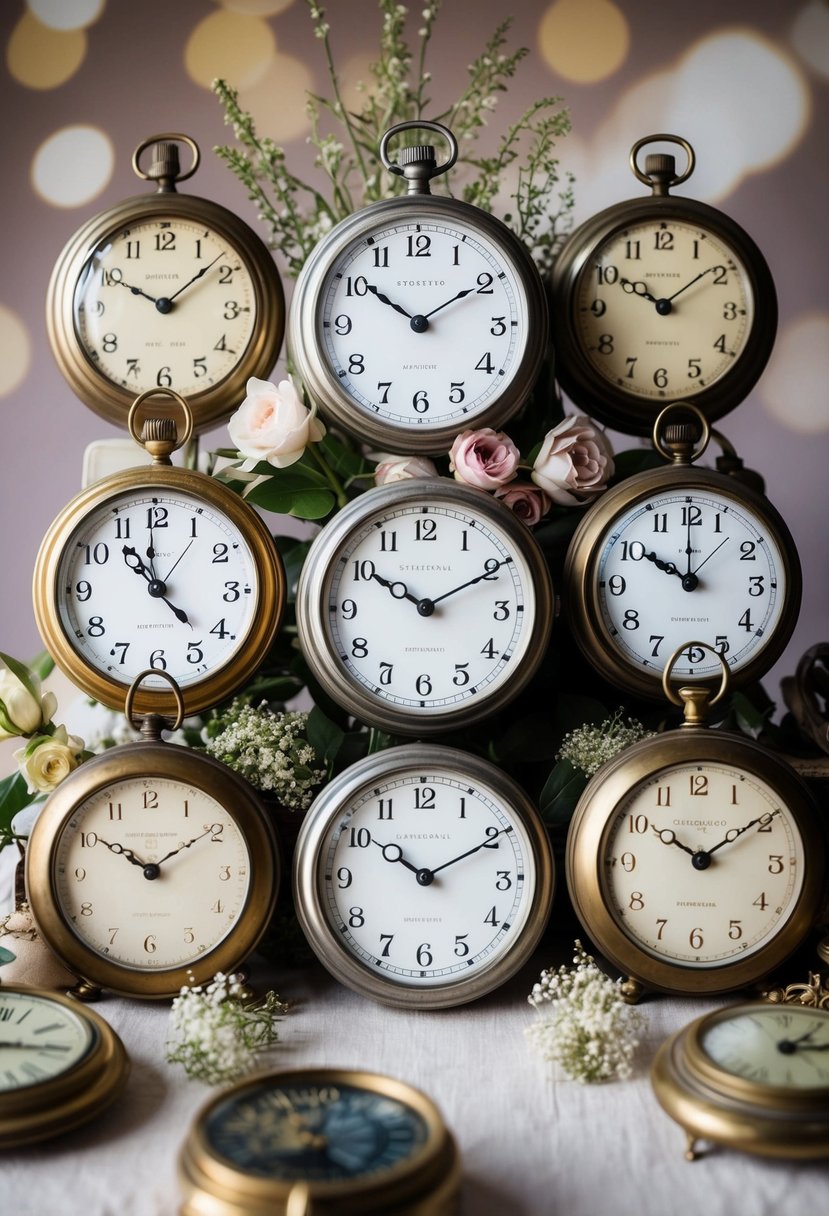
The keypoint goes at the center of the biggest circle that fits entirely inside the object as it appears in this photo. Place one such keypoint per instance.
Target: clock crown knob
(160, 438)
(418, 163)
(165, 166)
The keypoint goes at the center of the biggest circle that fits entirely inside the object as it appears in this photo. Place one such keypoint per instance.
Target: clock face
(771, 1045)
(702, 864)
(165, 301)
(432, 606)
(39, 1039)
(682, 564)
(150, 873)
(307, 1130)
(663, 309)
(423, 877)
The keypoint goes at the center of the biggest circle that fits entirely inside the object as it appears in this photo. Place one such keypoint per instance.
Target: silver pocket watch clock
(420, 316)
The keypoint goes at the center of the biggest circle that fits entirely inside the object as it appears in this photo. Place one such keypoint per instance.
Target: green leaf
(293, 553)
(325, 736)
(345, 462)
(42, 664)
(6, 956)
(561, 792)
(14, 796)
(298, 499)
(23, 674)
(636, 460)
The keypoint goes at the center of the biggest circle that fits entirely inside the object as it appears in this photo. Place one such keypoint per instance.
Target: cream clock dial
(40, 1040)
(423, 877)
(785, 1047)
(152, 863)
(419, 317)
(423, 604)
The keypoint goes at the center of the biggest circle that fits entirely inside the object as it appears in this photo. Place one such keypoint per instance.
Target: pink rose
(401, 468)
(528, 502)
(272, 424)
(575, 462)
(486, 458)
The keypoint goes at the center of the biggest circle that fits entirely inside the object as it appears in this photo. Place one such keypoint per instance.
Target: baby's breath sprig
(585, 1026)
(590, 746)
(216, 1036)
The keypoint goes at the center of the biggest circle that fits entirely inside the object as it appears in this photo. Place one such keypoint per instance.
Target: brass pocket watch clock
(420, 316)
(60, 1065)
(423, 877)
(695, 859)
(661, 299)
(424, 605)
(164, 290)
(158, 567)
(677, 551)
(150, 867)
(319, 1140)
(754, 1077)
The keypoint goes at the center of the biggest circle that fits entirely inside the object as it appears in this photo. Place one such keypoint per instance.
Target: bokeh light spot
(794, 385)
(810, 35)
(277, 102)
(43, 58)
(66, 14)
(256, 8)
(73, 166)
(234, 46)
(583, 40)
(15, 351)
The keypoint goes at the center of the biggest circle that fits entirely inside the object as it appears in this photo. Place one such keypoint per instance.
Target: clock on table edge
(695, 859)
(158, 567)
(423, 877)
(420, 316)
(60, 1064)
(424, 605)
(675, 551)
(164, 290)
(660, 299)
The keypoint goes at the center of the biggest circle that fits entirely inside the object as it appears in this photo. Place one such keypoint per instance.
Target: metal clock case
(678, 551)
(418, 317)
(323, 1140)
(424, 605)
(60, 1065)
(150, 867)
(423, 877)
(659, 299)
(753, 1077)
(164, 290)
(695, 859)
(158, 567)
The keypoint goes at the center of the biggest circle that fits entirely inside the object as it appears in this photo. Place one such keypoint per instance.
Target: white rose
(48, 759)
(401, 468)
(574, 463)
(21, 713)
(272, 424)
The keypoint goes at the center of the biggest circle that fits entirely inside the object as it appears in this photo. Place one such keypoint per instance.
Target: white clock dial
(771, 1045)
(689, 563)
(703, 864)
(151, 873)
(39, 1039)
(663, 309)
(156, 578)
(424, 323)
(424, 604)
(165, 302)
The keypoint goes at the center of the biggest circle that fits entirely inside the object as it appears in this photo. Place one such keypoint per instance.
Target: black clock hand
(186, 845)
(178, 559)
(393, 852)
(691, 282)
(121, 851)
(668, 567)
(708, 558)
(20, 1045)
(788, 1047)
(734, 833)
(405, 594)
(198, 275)
(446, 303)
(136, 291)
(633, 289)
(426, 606)
(375, 291)
(155, 586)
(460, 856)
(668, 836)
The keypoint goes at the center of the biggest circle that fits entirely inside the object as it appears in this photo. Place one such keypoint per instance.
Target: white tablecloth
(530, 1145)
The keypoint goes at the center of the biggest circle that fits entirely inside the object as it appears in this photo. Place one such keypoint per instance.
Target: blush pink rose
(575, 462)
(401, 468)
(273, 424)
(487, 459)
(529, 503)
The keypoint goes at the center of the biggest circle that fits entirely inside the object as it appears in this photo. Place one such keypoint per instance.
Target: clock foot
(86, 992)
(299, 1200)
(691, 1150)
(632, 991)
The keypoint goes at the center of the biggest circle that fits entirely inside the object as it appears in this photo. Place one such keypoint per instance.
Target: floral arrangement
(585, 1027)
(216, 1036)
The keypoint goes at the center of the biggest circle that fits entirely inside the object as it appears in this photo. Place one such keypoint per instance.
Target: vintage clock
(661, 299)
(158, 567)
(680, 551)
(319, 1140)
(424, 605)
(423, 877)
(60, 1065)
(753, 1077)
(150, 867)
(164, 290)
(695, 858)
(418, 317)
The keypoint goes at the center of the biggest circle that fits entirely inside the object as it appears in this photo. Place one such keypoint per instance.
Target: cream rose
(529, 503)
(21, 713)
(575, 462)
(485, 458)
(48, 759)
(272, 424)
(401, 468)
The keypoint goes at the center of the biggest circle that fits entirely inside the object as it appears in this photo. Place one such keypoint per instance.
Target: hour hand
(398, 590)
(377, 293)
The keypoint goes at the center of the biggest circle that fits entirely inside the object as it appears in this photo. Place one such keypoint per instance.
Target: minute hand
(735, 832)
(479, 578)
(469, 852)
